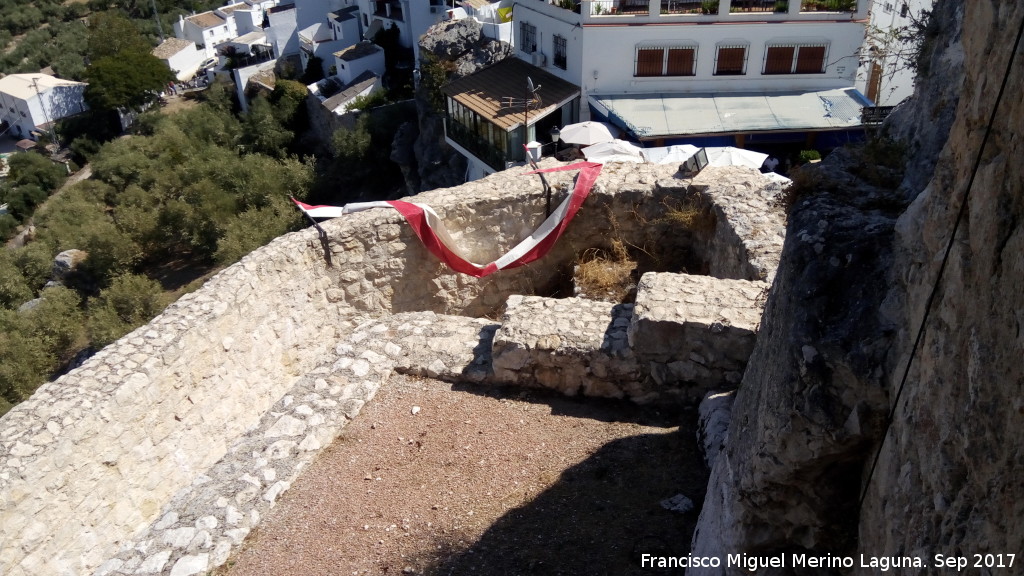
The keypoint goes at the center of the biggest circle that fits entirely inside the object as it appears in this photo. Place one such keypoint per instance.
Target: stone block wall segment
(748, 243)
(210, 517)
(571, 345)
(695, 331)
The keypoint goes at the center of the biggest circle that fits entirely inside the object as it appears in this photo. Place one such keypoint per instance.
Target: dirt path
(19, 239)
(487, 482)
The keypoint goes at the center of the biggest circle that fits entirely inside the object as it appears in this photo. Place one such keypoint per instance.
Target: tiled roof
(357, 51)
(170, 47)
(229, 9)
(484, 91)
(206, 20)
(20, 85)
(362, 82)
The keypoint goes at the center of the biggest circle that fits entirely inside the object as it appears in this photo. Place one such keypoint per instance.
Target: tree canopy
(123, 73)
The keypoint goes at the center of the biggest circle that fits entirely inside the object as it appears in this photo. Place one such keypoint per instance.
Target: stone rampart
(158, 454)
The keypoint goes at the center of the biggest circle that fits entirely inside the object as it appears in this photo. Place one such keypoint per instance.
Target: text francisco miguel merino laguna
(754, 563)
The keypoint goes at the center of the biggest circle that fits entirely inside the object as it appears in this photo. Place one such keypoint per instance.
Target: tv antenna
(531, 101)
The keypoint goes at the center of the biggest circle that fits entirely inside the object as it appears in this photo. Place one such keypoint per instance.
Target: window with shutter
(731, 61)
(681, 61)
(648, 61)
(779, 60)
(810, 60)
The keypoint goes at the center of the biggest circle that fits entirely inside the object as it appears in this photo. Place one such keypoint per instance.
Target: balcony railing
(683, 7)
(746, 6)
(473, 143)
(392, 10)
(620, 7)
(828, 5)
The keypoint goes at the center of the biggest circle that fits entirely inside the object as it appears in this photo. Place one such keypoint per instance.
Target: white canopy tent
(730, 156)
(587, 133)
(614, 151)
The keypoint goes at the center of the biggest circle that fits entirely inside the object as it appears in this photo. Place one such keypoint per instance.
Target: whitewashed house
(735, 72)
(887, 74)
(338, 30)
(411, 17)
(209, 30)
(181, 56)
(31, 103)
(283, 28)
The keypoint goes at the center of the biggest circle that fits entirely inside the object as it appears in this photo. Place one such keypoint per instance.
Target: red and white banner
(435, 237)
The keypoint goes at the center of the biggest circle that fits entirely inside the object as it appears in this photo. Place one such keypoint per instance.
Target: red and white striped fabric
(435, 237)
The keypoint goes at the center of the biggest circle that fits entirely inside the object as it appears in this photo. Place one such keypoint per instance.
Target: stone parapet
(90, 459)
(209, 518)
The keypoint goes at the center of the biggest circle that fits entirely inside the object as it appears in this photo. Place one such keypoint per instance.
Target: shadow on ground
(602, 514)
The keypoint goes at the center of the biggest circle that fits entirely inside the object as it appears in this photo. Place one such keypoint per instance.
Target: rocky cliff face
(948, 479)
(450, 50)
(857, 269)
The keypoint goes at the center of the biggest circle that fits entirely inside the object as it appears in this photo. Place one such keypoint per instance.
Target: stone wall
(161, 451)
(92, 457)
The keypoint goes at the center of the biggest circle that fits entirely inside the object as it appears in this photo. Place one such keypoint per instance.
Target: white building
(411, 17)
(181, 56)
(336, 31)
(209, 30)
(734, 72)
(886, 75)
(31, 102)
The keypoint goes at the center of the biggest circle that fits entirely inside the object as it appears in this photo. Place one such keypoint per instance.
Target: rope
(942, 267)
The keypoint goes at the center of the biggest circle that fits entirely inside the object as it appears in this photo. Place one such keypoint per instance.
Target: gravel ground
(433, 478)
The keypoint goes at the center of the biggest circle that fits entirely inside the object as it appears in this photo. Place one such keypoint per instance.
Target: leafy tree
(25, 361)
(263, 132)
(14, 289)
(314, 71)
(123, 73)
(111, 34)
(58, 321)
(130, 301)
(128, 80)
(37, 170)
(35, 262)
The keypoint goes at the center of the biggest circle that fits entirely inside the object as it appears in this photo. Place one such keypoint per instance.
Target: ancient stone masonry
(161, 452)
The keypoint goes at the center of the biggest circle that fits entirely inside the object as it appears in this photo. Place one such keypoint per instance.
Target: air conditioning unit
(540, 59)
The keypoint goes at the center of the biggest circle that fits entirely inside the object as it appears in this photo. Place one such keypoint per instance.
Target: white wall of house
(23, 109)
(348, 71)
(895, 80)
(311, 12)
(601, 50)
(416, 17)
(241, 77)
(247, 21)
(185, 63)
(282, 33)
(612, 53)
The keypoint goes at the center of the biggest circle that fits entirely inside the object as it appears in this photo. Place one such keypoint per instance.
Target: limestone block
(699, 327)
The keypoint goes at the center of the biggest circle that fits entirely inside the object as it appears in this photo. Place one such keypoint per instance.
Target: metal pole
(46, 116)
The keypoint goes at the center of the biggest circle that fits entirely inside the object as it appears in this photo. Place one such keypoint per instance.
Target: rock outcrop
(840, 327)
(450, 50)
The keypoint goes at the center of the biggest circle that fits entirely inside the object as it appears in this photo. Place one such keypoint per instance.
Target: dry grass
(599, 275)
(689, 214)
